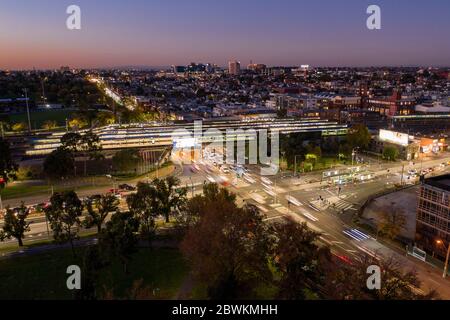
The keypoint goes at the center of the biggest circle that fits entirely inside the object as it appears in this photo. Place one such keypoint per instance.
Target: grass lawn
(13, 191)
(39, 117)
(43, 276)
(16, 191)
(327, 163)
(323, 163)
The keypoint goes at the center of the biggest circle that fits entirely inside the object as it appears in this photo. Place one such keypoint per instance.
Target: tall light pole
(28, 109)
(403, 171)
(353, 155)
(192, 187)
(440, 242)
(295, 164)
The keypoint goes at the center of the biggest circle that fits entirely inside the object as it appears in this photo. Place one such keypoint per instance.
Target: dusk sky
(33, 33)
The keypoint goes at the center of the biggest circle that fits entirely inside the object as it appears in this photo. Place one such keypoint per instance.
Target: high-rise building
(234, 67)
(257, 67)
(433, 215)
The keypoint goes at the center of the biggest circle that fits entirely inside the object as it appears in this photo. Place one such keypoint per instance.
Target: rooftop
(441, 182)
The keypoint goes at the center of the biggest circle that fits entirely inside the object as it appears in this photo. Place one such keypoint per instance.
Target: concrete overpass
(115, 137)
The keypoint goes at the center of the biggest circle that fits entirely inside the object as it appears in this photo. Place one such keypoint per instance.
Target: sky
(114, 33)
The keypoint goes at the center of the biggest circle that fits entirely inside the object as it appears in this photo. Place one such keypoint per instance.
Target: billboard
(397, 138)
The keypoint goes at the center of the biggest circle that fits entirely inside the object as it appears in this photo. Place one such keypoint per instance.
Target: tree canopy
(8, 167)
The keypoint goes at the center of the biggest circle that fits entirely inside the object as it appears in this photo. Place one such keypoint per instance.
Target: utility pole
(403, 170)
(28, 109)
(192, 186)
(440, 242)
(446, 262)
(43, 91)
(2, 130)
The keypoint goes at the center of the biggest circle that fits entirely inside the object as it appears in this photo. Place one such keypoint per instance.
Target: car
(292, 200)
(266, 180)
(225, 169)
(127, 187)
(249, 178)
(194, 168)
(41, 206)
(223, 181)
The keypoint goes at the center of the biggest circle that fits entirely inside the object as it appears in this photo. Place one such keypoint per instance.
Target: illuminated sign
(394, 137)
(185, 143)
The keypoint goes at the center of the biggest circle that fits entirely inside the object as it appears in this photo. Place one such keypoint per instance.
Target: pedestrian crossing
(342, 205)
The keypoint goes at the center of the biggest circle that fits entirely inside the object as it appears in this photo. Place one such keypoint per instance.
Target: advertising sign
(394, 137)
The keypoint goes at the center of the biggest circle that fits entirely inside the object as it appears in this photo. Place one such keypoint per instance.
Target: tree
(78, 123)
(8, 167)
(292, 146)
(170, 198)
(93, 264)
(106, 118)
(59, 164)
(98, 207)
(19, 127)
(300, 263)
(144, 205)
(393, 221)
(358, 137)
(282, 113)
(64, 214)
(49, 125)
(227, 247)
(70, 141)
(349, 281)
(191, 212)
(390, 153)
(91, 146)
(15, 224)
(126, 160)
(119, 239)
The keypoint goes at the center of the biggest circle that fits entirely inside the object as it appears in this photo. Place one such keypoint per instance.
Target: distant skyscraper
(234, 67)
(258, 67)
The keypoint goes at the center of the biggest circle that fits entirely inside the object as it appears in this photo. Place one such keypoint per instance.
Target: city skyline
(163, 33)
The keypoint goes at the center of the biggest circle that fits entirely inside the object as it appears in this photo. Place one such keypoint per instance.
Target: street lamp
(28, 109)
(113, 182)
(354, 154)
(440, 242)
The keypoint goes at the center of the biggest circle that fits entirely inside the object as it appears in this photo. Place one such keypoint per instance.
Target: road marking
(313, 207)
(273, 218)
(309, 216)
(330, 243)
(370, 253)
(262, 208)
